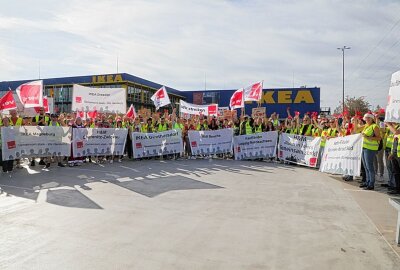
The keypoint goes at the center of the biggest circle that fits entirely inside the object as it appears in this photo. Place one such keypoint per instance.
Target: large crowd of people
(380, 144)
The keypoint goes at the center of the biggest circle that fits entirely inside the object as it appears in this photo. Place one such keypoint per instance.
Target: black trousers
(396, 171)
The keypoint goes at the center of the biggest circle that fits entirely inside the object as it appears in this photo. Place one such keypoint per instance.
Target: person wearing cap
(372, 136)
(378, 161)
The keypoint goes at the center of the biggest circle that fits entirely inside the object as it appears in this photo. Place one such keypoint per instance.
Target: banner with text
(254, 146)
(157, 144)
(342, 155)
(211, 141)
(393, 107)
(302, 150)
(98, 141)
(193, 109)
(98, 99)
(35, 141)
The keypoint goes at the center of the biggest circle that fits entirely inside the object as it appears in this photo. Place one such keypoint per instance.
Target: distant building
(139, 91)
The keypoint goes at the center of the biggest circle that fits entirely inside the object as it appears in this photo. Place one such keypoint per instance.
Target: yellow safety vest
(57, 124)
(199, 126)
(162, 128)
(46, 119)
(368, 143)
(275, 122)
(258, 129)
(249, 129)
(308, 131)
(315, 132)
(18, 123)
(324, 134)
(178, 126)
(146, 128)
(332, 132)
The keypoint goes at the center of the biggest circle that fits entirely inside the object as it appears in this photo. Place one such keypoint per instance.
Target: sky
(193, 45)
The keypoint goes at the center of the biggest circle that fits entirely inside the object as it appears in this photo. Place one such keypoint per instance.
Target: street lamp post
(343, 49)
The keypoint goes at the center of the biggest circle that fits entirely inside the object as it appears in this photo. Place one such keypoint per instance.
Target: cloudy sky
(231, 43)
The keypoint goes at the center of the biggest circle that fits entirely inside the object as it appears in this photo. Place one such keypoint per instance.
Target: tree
(353, 104)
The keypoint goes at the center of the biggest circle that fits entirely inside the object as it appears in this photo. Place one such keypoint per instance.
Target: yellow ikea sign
(287, 97)
(111, 78)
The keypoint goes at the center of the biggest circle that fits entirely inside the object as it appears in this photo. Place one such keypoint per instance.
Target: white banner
(35, 141)
(302, 150)
(211, 141)
(342, 155)
(98, 141)
(98, 99)
(393, 106)
(254, 146)
(189, 108)
(157, 144)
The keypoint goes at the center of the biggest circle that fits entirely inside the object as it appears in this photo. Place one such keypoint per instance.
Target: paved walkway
(192, 214)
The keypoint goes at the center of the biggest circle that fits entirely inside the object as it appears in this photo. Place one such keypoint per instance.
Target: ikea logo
(287, 97)
(111, 78)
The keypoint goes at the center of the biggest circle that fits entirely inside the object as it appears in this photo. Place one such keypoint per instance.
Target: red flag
(160, 98)
(7, 102)
(253, 92)
(131, 113)
(31, 94)
(80, 114)
(237, 99)
(92, 114)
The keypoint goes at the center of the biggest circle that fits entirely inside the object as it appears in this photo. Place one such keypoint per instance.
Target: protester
(371, 134)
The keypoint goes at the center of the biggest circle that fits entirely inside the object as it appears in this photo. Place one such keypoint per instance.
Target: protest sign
(342, 155)
(392, 112)
(259, 112)
(156, 144)
(302, 150)
(211, 141)
(98, 141)
(86, 99)
(35, 141)
(192, 109)
(254, 146)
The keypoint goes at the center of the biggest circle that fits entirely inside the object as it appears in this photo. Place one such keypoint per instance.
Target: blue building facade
(139, 91)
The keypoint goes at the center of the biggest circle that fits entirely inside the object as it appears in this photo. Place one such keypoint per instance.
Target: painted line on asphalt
(18, 187)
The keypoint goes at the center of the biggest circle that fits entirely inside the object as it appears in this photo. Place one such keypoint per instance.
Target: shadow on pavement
(146, 177)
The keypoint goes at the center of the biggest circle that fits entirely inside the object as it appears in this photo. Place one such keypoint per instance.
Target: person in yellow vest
(147, 127)
(305, 128)
(389, 138)
(394, 158)
(259, 126)
(162, 125)
(372, 136)
(247, 126)
(202, 125)
(275, 120)
(333, 130)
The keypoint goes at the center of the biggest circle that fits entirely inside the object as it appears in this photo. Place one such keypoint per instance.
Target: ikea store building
(139, 91)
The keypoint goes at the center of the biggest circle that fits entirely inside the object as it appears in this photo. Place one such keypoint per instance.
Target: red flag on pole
(160, 98)
(7, 102)
(237, 99)
(131, 113)
(253, 92)
(31, 94)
